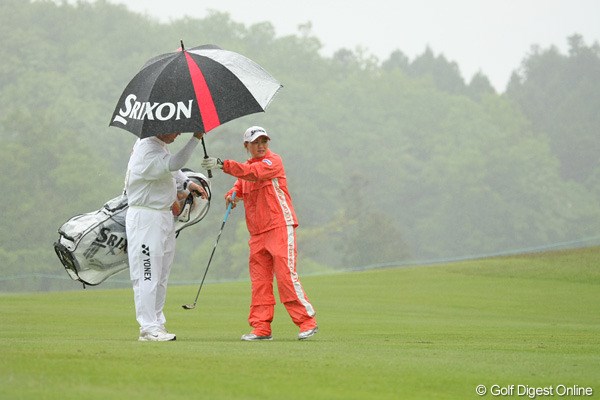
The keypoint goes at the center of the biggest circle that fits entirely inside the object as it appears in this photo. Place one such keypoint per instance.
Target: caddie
(152, 181)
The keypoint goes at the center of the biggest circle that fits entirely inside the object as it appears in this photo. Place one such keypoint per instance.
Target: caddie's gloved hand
(211, 163)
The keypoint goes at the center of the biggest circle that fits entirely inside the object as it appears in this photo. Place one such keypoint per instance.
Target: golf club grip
(229, 207)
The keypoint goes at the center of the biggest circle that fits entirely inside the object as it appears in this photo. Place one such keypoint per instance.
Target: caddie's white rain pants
(151, 249)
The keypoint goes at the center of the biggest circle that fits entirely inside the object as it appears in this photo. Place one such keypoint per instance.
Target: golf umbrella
(193, 90)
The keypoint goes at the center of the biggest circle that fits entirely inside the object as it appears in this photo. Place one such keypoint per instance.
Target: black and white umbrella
(193, 90)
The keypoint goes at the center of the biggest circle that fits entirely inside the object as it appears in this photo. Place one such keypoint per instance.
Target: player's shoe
(306, 334)
(252, 337)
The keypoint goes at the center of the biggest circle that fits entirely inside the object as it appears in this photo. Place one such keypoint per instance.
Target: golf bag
(93, 246)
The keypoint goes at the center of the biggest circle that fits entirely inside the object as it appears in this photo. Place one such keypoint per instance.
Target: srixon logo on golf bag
(160, 111)
(106, 240)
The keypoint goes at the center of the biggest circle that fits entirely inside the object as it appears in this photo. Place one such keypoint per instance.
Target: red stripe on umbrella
(208, 112)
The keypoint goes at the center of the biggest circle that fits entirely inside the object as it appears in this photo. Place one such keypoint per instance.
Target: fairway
(428, 332)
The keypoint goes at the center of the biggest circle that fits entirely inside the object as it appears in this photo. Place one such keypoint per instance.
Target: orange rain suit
(271, 221)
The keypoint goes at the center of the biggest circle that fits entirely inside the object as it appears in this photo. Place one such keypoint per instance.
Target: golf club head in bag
(93, 246)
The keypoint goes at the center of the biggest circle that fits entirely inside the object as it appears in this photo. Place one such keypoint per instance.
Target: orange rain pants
(273, 253)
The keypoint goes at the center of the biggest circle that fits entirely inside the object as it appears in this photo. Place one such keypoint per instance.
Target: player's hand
(211, 163)
(233, 202)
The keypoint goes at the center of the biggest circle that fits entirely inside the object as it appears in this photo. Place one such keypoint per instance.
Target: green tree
(446, 75)
(560, 94)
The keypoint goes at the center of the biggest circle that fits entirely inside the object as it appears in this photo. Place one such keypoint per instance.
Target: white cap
(253, 133)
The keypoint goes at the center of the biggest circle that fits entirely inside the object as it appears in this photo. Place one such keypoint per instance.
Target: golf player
(153, 178)
(271, 221)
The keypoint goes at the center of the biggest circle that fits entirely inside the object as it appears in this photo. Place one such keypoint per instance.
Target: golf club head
(188, 306)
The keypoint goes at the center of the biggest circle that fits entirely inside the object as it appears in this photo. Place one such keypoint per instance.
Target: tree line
(388, 160)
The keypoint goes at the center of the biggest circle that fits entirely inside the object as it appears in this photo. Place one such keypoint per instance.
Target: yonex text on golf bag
(93, 246)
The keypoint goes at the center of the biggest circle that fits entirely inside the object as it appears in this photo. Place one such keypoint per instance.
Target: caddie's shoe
(306, 334)
(158, 336)
(160, 328)
(251, 337)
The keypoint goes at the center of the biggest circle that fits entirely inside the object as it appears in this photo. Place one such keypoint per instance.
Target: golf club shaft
(213, 250)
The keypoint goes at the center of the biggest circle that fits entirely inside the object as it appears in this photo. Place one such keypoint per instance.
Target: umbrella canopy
(193, 90)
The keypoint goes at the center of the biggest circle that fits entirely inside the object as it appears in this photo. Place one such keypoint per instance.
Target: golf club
(192, 306)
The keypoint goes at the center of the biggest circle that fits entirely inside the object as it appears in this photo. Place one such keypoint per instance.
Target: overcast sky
(492, 36)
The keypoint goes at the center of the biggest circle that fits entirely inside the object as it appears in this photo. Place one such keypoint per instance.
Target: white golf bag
(93, 246)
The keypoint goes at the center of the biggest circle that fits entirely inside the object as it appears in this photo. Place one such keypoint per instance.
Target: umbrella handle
(206, 156)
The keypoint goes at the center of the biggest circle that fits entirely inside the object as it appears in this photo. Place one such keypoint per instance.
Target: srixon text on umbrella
(160, 111)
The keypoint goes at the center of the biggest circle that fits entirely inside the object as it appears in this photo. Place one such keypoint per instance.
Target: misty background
(393, 159)
(489, 36)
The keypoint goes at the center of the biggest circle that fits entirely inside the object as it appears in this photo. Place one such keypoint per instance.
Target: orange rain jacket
(262, 186)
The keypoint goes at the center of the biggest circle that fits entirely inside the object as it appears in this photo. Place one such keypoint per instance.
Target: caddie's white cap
(253, 133)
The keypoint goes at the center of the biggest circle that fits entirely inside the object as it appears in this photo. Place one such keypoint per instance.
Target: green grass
(432, 332)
